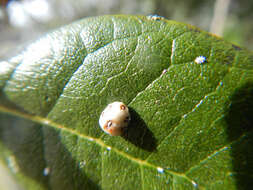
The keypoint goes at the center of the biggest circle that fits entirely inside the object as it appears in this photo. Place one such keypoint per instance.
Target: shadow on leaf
(67, 173)
(39, 154)
(23, 139)
(138, 133)
(240, 126)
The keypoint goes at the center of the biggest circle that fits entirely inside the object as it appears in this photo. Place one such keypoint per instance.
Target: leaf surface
(191, 124)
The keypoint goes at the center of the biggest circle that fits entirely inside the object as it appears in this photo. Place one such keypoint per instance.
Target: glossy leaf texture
(191, 123)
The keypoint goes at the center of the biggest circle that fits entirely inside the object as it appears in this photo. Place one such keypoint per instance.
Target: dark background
(22, 21)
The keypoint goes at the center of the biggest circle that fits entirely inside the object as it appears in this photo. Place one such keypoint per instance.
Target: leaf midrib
(49, 123)
(141, 163)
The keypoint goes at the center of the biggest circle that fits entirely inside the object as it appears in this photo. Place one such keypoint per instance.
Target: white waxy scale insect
(200, 59)
(114, 118)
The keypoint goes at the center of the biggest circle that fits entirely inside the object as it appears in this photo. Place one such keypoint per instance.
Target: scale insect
(114, 118)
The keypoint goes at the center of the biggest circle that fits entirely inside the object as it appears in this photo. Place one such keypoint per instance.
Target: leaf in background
(191, 124)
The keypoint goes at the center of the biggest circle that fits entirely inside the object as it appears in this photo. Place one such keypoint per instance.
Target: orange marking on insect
(122, 107)
(114, 118)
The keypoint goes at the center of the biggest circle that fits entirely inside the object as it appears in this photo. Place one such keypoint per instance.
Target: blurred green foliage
(238, 27)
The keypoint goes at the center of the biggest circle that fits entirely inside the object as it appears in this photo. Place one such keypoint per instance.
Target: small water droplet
(46, 122)
(108, 148)
(160, 170)
(91, 139)
(46, 171)
(164, 71)
(155, 17)
(157, 101)
(199, 103)
(82, 164)
(200, 59)
(194, 184)
(13, 164)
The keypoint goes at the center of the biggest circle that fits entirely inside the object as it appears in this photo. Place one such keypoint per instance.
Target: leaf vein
(214, 153)
(49, 123)
(186, 114)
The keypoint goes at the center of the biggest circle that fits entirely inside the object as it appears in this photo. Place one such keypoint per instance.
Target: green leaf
(191, 124)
